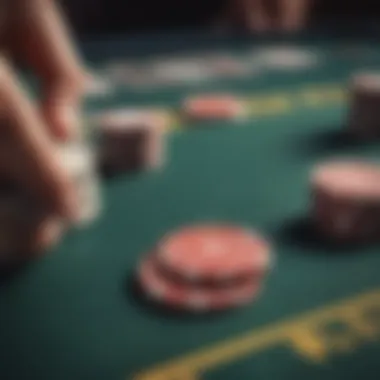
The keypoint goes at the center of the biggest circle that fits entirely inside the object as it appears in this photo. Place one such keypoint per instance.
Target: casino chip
(346, 200)
(131, 139)
(364, 116)
(79, 161)
(214, 254)
(192, 298)
(213, 107)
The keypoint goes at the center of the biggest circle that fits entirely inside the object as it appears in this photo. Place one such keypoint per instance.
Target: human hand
(261, 16)
(34, 32)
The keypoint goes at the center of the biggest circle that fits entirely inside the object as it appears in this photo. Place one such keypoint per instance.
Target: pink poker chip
(214, 253)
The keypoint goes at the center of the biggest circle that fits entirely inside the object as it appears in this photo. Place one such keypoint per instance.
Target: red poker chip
(192, 298)
(213, 107)
(214, 253)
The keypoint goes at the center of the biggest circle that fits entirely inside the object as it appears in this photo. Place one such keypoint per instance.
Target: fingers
(255, 15)
(25, 232)
(293, 14)
(27, 154)
(259, 17)
(43, 41)
(60, 109)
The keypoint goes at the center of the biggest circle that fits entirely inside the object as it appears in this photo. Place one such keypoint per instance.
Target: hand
(34, 32)
(262, 16)
(293, 15)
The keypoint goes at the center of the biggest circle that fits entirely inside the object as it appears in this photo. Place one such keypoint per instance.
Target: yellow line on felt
(276, 103)
(301, 334)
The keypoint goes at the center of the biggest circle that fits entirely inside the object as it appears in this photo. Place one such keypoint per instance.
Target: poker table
(74, 314)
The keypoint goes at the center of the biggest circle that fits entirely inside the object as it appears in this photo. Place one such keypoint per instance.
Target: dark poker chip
(346, 200)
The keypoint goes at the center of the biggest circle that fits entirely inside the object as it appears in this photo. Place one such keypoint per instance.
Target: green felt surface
(72, 315)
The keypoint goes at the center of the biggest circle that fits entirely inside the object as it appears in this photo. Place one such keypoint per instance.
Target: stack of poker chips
(346, 201)
(364, 115)
(131, 140)
(205, 268)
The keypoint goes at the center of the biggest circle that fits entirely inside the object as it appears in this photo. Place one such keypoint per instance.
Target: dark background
(136, 16)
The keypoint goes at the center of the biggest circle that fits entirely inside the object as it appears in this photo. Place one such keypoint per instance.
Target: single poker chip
(190, 298)
(78, 160)
(213, 107)
(214, 253)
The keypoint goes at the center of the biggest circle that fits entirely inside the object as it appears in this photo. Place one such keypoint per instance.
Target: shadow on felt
(9, 271)
(136, 296)
(300, 233)
(108, 173)
(334, 141)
